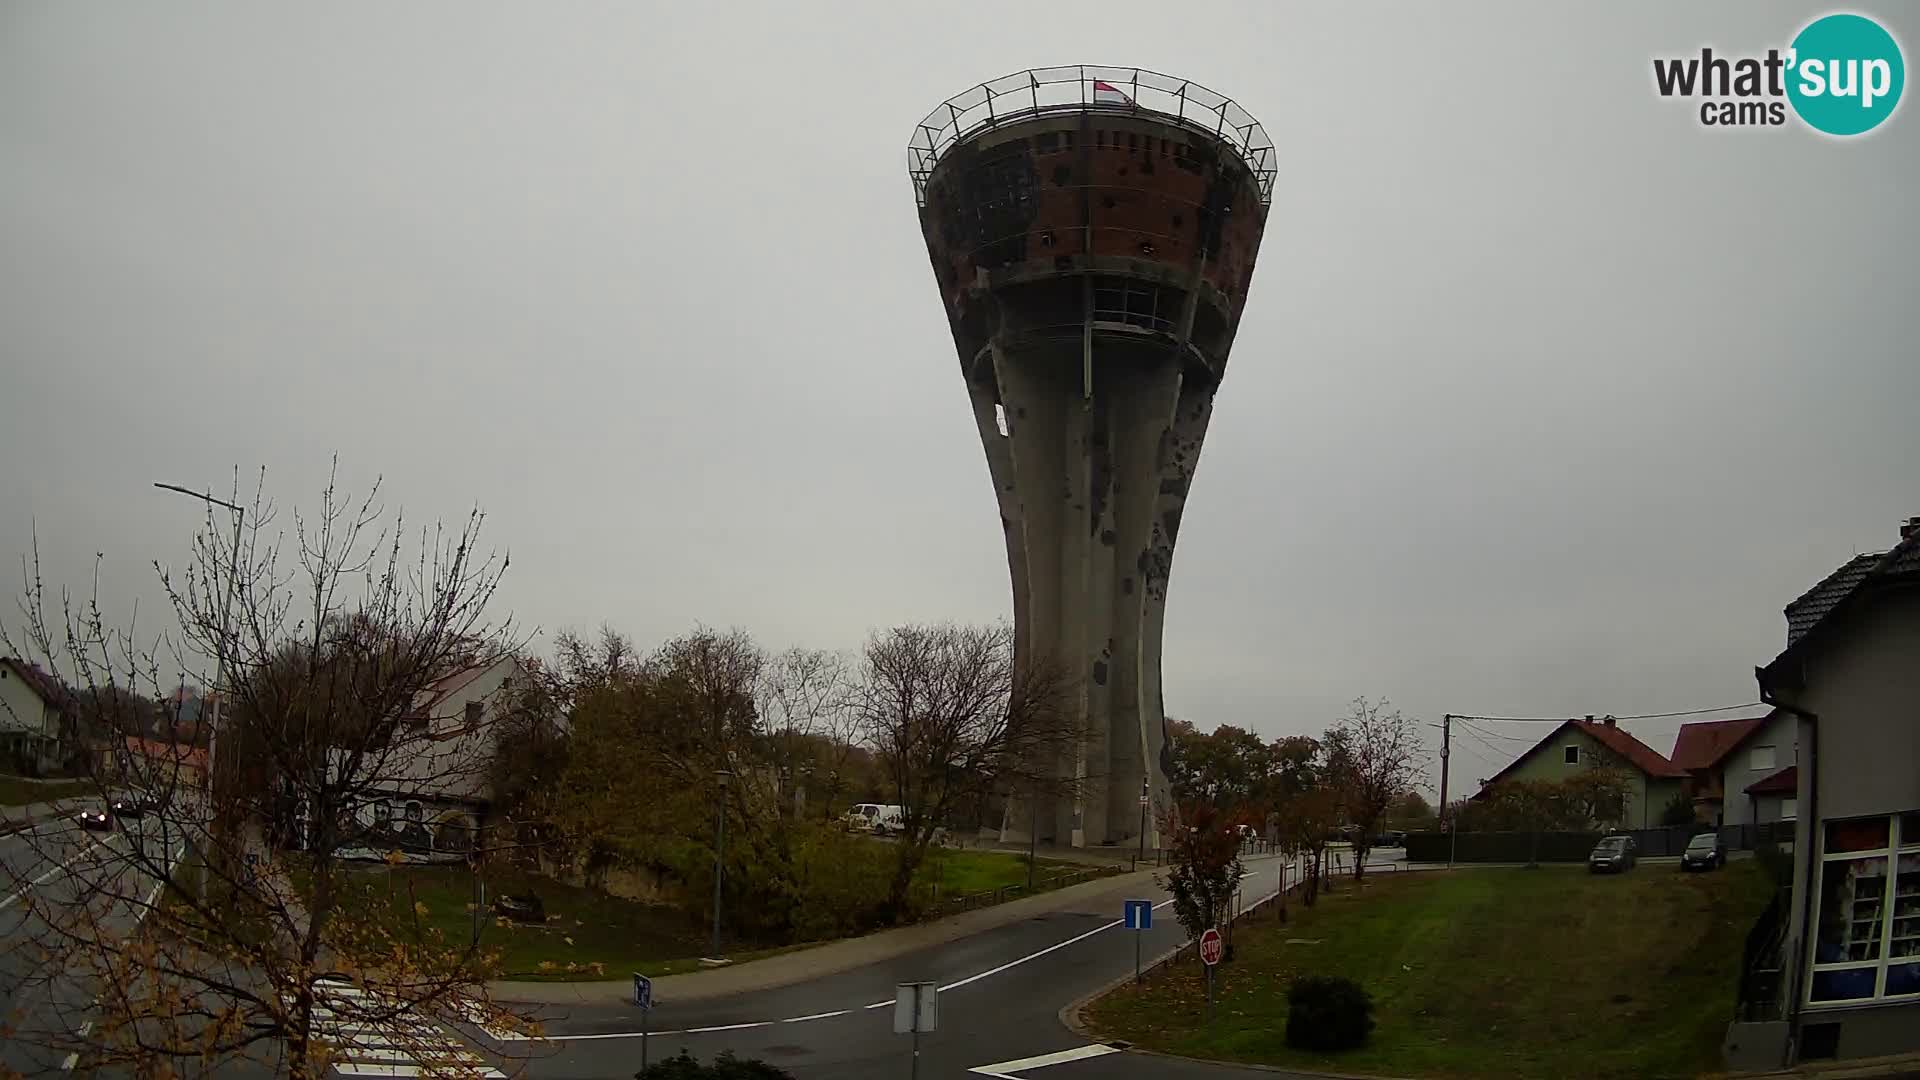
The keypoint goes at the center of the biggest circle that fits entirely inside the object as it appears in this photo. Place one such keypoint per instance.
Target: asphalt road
(1001, 993)
(50, 872)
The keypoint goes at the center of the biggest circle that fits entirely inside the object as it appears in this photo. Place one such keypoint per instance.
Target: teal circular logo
(1845, 74)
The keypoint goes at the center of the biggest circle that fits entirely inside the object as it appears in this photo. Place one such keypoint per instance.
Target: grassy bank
(1486, 972)
(589, 934)
(19, 791)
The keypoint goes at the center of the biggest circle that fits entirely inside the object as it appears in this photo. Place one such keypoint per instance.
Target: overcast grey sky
(1547, 398)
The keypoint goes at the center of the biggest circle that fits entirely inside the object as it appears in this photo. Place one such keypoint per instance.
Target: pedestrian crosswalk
(372, 1035)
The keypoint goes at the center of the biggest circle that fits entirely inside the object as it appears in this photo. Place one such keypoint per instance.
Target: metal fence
(1574, 846)
(1083, 88)
(1042, 882)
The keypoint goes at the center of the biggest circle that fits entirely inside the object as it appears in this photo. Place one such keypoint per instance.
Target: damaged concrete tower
(1093, 233)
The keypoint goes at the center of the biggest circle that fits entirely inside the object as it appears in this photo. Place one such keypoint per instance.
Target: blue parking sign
(1138, 914)
(642, 991)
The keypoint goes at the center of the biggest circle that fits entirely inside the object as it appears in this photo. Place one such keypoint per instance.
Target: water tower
(1093, 233)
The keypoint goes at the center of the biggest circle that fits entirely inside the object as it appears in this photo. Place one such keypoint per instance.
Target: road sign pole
(1209, 993)
(1136, 958)
(915, 1074)
(644, 1013)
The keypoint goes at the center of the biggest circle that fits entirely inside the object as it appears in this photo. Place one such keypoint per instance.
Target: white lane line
(842, 1012)
(1001, 1070)
(36, 882)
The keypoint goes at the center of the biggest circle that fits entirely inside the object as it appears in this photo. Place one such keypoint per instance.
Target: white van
(876, 818)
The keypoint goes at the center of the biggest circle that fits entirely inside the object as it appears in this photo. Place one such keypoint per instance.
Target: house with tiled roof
(1724, 758)
(434, 789)
(1845, 980)
(1652, 781)
(32, 704)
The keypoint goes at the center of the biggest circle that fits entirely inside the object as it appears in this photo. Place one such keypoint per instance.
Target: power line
(1496, 735)
(1590, 716)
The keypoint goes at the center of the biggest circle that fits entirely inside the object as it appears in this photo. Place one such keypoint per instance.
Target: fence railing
(1042, 882)
(1088, 88)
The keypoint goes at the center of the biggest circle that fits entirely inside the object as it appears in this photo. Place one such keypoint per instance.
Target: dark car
(96, 818)
(148, 803)
(1704, 852)
(125, 808)
(1614, 854)
(1392, 838)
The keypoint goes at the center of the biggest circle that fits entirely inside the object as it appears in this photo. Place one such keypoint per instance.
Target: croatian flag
(1107, 93)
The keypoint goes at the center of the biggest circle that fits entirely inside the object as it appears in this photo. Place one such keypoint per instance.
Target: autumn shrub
(684, 1066)
(1327, 1012)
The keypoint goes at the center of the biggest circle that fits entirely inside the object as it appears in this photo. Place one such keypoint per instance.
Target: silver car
(1615, 854)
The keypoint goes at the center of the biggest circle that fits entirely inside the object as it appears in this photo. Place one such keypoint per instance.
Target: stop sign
(1210, 947)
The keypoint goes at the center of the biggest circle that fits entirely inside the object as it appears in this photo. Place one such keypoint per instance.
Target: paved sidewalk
(828, 959)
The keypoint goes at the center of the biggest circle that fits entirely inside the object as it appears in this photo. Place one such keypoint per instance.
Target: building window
(414, 813)
(382, 815)
(1571, 754)
(1762, 757)
(474, 710)
(1789, 808)
(1866, 942)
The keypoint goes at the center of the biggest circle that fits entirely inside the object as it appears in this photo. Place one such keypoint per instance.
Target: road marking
(35, 883)
(842, 1012)
(1001, 1070)
(398, 1049)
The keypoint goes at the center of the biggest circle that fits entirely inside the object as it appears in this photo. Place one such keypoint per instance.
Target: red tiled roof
(1702, 744)
(1639, 754)
(1632, 750)
(1784, 782)
(194, 757)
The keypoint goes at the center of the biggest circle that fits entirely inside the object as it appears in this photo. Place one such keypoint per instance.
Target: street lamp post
(719, 857)
(1145, 790)
(226, 620)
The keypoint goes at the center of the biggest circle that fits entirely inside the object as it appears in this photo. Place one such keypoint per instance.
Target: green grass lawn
(15, 791)
(584, 927)
(590, 934)
(1492, 972)
(963, 873)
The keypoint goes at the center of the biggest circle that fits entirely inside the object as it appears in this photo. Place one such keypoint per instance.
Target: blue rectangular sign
(642, 991)
(1138, 914)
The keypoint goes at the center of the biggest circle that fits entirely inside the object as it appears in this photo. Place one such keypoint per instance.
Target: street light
(226, 619)
(1145, 790)
(719, 857)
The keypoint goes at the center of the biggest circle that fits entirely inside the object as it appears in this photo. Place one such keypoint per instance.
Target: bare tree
(1377, 757)
(953, 719)
(806, 705)
(226, 921)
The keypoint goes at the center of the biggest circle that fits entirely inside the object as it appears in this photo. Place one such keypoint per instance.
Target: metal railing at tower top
(1084, 88)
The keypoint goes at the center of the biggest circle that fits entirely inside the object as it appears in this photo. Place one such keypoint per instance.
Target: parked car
(1704, 852)
(125, 808)
(876, 818)
(97, 819)
(149, 803)
(1615, 854)
(1390, 839)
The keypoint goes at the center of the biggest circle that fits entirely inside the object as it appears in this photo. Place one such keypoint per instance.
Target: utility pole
(1446, 752)
(1145, 795)
(719, 858)
(220, 648)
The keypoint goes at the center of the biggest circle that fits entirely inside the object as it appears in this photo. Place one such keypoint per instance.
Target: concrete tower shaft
(1093, 233)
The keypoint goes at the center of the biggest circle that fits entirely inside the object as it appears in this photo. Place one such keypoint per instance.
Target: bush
(681, 1066)
(1326, 1012)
